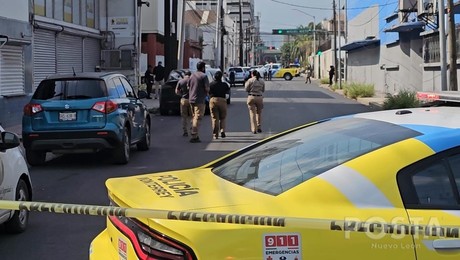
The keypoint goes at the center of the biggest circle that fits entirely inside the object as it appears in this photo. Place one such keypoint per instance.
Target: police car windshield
(285, 162)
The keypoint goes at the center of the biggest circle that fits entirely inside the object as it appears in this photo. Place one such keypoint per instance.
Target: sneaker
(195, 140)
(222, 135)
(216, 136)
(259, 130)
(185, 134)
(254, 132)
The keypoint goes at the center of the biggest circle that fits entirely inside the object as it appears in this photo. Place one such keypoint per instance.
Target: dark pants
(330, 79)
(149, 89)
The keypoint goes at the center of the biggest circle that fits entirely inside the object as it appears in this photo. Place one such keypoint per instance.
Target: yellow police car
(379, 185)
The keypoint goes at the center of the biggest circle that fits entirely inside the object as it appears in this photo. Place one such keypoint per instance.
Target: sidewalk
(375, 102)
(152, 106)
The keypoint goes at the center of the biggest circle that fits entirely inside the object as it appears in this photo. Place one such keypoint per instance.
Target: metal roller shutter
(44, 51)
(91, 54)
(11, 70)
(69, 53)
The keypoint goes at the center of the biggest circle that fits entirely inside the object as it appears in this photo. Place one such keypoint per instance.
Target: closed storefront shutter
(91, 53)
(11, 70)
(44, 51)
(69, 53)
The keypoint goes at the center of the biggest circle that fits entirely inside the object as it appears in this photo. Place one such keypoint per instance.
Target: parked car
(239, 74)
(170, 101)
(360, 183)
(15, 183)
(82, 113)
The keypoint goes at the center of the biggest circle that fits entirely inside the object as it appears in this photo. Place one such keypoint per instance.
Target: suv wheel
(144, 144)
(287, 76)
(18, 223)
(35, 158)
(121, 152)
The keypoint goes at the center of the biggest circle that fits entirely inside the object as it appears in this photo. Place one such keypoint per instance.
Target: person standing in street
(331, 74)
(185, 110)
(148, 78)
(218, 105)
(308, 75)
(232, 78)
(198, 90)
(159, 72)
(255, 87)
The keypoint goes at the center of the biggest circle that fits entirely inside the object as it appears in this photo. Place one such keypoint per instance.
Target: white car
(15, 182)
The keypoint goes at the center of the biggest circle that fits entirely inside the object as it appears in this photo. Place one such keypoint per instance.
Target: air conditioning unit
(117, 59)
(425, 7)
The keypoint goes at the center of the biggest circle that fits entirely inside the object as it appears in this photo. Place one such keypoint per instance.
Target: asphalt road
(80, 179)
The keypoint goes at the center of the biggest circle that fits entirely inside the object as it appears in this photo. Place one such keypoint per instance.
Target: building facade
(395, 46)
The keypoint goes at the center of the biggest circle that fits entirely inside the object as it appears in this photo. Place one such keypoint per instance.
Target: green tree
(299, 45)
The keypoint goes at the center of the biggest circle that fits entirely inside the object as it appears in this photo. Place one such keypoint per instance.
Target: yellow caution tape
(371, 226)
(259, 220)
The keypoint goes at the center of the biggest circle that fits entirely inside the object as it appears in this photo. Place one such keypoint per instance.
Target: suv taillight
(105, 107)
(32, 109)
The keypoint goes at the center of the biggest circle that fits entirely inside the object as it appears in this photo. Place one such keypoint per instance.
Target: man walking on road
(159, 72)
(198, 90)
(185, 111)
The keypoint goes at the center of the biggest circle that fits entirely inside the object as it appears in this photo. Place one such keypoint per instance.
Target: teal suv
(83, 113)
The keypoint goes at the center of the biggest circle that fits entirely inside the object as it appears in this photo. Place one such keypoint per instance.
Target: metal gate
(69, 53)
(91, 54)
(44, 55)
(12, 70)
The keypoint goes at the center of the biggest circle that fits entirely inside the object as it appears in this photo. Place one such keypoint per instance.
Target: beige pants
(255, 106)
(186, 114)
(157, 87)
(197, 116)
(218, 107)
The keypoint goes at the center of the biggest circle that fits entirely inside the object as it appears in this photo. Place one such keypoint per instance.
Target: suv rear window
(65, 89)
(237, 69)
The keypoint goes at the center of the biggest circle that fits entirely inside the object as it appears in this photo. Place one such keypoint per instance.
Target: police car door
(430, 191)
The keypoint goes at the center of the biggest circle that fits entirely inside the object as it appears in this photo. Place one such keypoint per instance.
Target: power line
(326, 8)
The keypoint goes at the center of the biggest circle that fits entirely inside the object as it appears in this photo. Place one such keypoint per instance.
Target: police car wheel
(18, 223)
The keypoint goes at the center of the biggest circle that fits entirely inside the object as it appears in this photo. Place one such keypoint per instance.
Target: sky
(289, 14)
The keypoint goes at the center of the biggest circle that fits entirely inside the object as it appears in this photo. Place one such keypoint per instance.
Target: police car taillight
(150, 244)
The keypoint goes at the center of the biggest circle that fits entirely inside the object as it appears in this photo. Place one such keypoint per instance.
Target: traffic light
(278, 31)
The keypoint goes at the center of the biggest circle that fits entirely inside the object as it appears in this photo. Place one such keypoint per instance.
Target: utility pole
(222, 34)
(335, 39)
(339, 67)
(241, 35)
(452, 48)
(442, 44)
(168, 43)
(218, 33)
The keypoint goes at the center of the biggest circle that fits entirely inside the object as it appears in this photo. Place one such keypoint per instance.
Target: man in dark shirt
(198, 90)
(159, 72)
(185, 110)
(148, 79)
(218, 104)
(232, 78)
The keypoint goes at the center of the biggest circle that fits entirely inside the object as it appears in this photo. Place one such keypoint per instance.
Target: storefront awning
(359, 44)
(405, 27)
